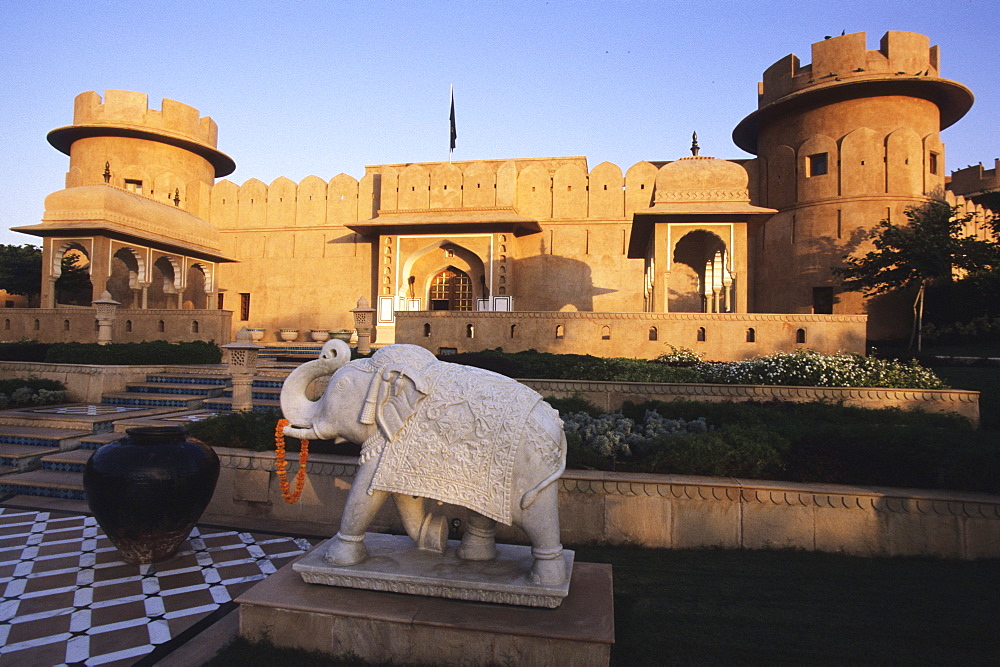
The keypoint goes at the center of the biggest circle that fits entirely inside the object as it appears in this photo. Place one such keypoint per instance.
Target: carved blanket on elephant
(460, 443)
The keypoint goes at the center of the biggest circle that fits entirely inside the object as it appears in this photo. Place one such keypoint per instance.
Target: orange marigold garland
(281, 465)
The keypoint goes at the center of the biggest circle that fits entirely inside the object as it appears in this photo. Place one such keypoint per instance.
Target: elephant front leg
(479, 541)
(347, 547)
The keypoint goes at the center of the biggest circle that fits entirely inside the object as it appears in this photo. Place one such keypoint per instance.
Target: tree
(73, 285)
(21, 270)
(930, 247)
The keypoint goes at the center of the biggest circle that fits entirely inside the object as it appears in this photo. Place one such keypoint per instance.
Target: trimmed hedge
(126, 354)
(24, 351)
(800, 368)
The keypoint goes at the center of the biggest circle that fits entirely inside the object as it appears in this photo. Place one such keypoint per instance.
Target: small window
(816, 165)
(513, 331)
(220, 301)
(195, 326)
(133, 185)
(6, 325)
(560, 331)
(751, 335)
(470, 331)
(244, 306)
(128, 326)
(652, 333)
(605, 332)
(800, 336)
(65, 325)
(701, 334)
(38, 325)
(427, 330)
(932, 163)
(160, 326)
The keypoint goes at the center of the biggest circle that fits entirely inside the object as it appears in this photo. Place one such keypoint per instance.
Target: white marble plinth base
(395, 565)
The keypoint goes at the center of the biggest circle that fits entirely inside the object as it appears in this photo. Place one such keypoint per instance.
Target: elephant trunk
(296, 405)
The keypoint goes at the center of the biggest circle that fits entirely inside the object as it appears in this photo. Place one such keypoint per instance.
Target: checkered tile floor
(67, 598)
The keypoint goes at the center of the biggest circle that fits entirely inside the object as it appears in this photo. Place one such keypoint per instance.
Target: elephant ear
(401, 389)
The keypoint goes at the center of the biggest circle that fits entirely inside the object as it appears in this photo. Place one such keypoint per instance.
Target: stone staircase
(43, 451)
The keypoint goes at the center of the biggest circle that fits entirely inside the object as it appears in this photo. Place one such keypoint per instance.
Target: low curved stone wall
(667, 511)
(610, 396)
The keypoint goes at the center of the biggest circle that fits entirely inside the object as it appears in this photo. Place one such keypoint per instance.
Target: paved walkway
(66, 597)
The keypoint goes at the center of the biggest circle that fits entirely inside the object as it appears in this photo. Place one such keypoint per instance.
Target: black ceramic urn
(148, 489)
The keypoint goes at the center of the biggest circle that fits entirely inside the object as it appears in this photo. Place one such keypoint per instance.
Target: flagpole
(451, 118)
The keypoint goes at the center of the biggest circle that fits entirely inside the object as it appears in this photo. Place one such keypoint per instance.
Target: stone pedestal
(396, 565)
(380, 626)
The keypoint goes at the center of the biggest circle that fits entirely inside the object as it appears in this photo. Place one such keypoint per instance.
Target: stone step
(47, 483)
(224, 404)
(92, 442)
(41, 436)
(177, 401)
(71, 461)
(189, 378)
(174, 388)
(89, 417)
(19, 458)
(258, 393)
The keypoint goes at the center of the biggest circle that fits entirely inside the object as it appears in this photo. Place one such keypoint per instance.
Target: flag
(454, 133)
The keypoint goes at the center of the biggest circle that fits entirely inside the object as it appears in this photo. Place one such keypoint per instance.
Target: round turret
(156, 153)
(842, 143)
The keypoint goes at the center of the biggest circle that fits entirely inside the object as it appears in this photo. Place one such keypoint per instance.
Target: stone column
(49, 295)
(106, 308)
(364, 321)
(242, 368)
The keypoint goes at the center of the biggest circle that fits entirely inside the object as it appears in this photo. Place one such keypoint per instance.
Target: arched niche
(700, 281)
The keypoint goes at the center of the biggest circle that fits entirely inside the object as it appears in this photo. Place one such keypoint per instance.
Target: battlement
(975, 179)
(128, 109)
(842, 58)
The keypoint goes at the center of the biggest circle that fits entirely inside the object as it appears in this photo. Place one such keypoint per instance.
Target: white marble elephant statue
(432, 429)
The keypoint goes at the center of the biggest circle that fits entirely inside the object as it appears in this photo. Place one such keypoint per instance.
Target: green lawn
(766, 607)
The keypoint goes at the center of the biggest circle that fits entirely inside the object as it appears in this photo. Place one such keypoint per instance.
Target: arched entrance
(195, 296)
(124, 278)
(163, 288)
(451, 289)
(73, 286)
(701, 281)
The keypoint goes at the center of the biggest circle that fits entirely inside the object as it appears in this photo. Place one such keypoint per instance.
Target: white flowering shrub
(616, 436)
(811, 369)
(679, 356)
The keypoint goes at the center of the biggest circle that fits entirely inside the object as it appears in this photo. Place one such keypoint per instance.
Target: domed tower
(137, 194)
(842, 143)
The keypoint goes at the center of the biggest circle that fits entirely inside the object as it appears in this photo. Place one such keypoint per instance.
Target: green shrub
(575, 403)
(24, 351)
(18, 393)
(241, 430)
(147, 353)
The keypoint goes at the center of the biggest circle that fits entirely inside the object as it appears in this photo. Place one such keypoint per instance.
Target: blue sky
(300, 88)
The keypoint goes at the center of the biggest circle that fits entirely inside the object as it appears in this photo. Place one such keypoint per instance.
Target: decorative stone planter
(344, 335)
(256, 334)
(148, 489)
(319, 335)
(288, 335)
